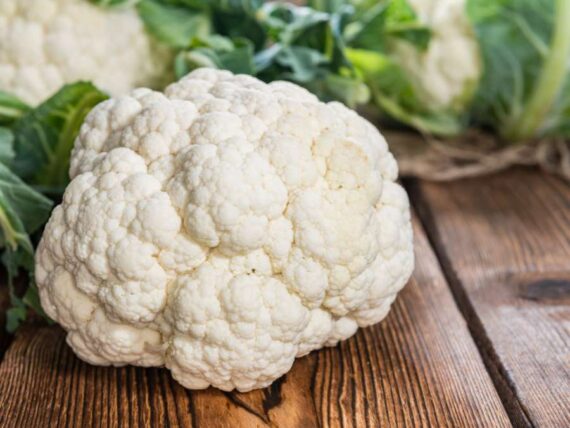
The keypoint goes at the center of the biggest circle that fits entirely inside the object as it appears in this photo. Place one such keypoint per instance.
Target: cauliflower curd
(447, 73)
(222, 229)
(47, 43)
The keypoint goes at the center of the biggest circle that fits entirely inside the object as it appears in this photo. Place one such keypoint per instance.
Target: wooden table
(479, 337)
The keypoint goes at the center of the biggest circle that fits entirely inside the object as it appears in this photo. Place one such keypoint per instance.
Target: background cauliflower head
(222, 229)
(47, 43)
(447, 73)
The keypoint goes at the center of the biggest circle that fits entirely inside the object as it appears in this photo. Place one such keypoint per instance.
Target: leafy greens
(344, 50)
(525, 89)
(268, 40)
(35, 146)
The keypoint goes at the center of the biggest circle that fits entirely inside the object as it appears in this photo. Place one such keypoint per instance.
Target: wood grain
(286, 403)
(44, 384)
(418, 367)
(504, 242)
(4, 304)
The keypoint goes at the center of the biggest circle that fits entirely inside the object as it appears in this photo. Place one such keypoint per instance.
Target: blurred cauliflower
(47, 43)
(447, 73)
(222, 229)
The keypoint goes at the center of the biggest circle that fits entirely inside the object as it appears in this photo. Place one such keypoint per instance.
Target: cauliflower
(222, 229)
(447, 73)
(47, 43)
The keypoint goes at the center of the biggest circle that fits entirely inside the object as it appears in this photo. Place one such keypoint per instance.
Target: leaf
(561, 113)
(309, 50)
(329, 6)
(286, 22)
(14, 261)
(45, 135)
(270, 40)
(351, 90)
(377, 23)
(526, 51)
(303, 62)
(402, 23)
(11, 108)
(6, 146)
(174, 25)
(237, 19)
(22, 209)
(217, 52)
(265, 58)
(369, 28)
(396, 96)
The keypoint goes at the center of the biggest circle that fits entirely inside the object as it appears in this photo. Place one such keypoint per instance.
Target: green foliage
(370, 34)
(22, 211)
(307, 47)
(344, 50)
(14, 261)
(237, 19)
(11, 108)
(6, 145)
(35, 147)
(44, 136)
(526, 52)
(172, 24)
(269, 40)
(217, 52)
(377, 23)
(393, 92)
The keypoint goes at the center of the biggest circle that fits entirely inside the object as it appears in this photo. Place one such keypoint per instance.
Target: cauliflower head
(447, 73)
(223, 228)
(47, 43)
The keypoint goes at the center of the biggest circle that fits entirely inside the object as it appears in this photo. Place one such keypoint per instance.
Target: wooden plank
(286, 403)
(4, 305)
(504, 242)
(44, 384)
(420, 366)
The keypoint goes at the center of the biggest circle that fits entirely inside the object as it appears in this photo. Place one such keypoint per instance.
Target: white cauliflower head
(222, 229)
(447, 73)
(47, 43)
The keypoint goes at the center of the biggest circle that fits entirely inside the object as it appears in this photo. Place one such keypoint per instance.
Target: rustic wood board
(418, 367)
(4, 304)
(504, 242)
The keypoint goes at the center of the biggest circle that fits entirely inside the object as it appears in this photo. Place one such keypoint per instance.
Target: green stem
(549, 82)
(10, 233)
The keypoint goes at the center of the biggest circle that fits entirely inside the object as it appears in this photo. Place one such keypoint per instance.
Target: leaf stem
(10, 235)
(549, 82)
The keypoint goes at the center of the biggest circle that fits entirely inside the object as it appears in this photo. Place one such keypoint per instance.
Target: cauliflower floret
(47, 43)
(203, 232)
(446, 74)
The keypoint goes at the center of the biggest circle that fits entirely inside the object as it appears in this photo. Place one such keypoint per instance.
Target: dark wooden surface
(482, 342)
(504, 243)
(4, 304)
